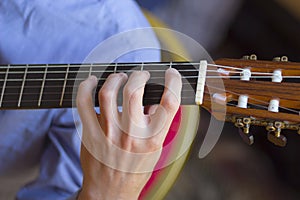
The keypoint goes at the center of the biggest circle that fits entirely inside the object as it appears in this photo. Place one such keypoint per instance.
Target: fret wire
(22, 87)
(64, 86)
(142, 67)
(43, 84)
(90, 70)
(4, 85)
(115, 68)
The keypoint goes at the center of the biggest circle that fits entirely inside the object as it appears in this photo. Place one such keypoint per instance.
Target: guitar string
(113, 65)
(151, 71)
(58, 85)
(228, 67)
(142, 66)
(257, 100)
(184, 77)
(151, 98)
(159, 91)
(55, 71)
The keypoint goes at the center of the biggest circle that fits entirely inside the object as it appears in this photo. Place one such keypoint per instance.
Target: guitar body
(176, 149)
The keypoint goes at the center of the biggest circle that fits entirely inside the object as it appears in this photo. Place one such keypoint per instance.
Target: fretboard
(55, 85)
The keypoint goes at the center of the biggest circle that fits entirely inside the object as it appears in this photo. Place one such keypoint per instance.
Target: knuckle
(105, 94)
(154, 144)
(83, 85)
(134, 96)
(128, 90)
(82, 101)
(171, 104)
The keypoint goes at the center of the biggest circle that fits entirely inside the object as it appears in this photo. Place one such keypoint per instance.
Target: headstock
(259, 93)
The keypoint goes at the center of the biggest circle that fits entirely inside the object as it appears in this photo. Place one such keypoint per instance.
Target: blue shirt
(52, 31)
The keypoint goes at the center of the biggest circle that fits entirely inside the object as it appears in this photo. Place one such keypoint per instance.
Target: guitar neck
(55, 86)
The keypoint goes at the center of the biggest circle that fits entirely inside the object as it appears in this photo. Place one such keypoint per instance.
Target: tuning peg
(270, 127)
(251, 57)
(277, 140)
(282, 59)
(246, 137)
(274, 134)
(239, 123)
(243, 125)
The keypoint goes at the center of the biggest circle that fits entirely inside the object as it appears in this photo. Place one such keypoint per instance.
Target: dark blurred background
(231, 29)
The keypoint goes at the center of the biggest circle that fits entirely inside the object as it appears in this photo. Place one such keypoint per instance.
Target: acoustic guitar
(245, 92)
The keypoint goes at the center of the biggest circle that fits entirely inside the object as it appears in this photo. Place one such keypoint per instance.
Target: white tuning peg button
(243, 101)
(246, 74)
(219, 98)
(277, 76)
(274, 105)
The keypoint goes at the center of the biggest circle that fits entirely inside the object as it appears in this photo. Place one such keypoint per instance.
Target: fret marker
(201, 82)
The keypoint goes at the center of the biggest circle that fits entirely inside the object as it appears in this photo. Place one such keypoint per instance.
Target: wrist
(90, 193)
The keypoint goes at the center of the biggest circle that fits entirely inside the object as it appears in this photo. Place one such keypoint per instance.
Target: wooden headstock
(270, 97)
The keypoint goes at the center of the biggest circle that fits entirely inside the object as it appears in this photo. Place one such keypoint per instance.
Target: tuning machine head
(281, 59)
(274, 133)
(273, 128)
(250, 57)
(243, 124)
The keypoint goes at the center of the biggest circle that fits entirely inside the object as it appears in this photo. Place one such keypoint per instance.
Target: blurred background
(232, 29)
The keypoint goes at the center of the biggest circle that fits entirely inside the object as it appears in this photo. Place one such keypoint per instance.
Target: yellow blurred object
(190, 117)
(167, 40)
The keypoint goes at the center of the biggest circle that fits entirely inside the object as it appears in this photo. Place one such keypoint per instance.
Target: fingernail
(172, 70)
(93, 78)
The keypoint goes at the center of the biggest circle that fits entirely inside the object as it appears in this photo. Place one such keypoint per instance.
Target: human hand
(120, 149)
